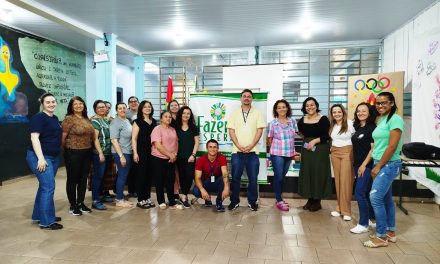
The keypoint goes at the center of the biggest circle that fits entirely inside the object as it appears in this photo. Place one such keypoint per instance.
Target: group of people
(164, 153)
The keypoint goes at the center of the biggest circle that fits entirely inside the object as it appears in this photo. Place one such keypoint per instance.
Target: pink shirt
(165, 136)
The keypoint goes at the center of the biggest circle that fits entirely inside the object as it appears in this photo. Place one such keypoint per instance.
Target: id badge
(213, 178)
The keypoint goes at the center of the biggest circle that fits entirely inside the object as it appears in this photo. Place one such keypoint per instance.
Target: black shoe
(308, 204)
(143, 204)
(232, 206)
(176, 197)
(74, 210)
(84, 208)
(151, 203)
(208, 203)
(54, 226)
(316, 206)
(186, 204)
(253, 206)
(220, 208)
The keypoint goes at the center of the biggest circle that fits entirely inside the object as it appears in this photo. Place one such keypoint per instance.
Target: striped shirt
(283, 137)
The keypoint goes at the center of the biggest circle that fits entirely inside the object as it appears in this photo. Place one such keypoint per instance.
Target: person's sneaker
(177, 197)
(359, 229)
(151, 203)
(54, 226)
(335, 213)
(98, 205)
(163, 206)
(253, 206)
(143, 204)
(372, 224)
(84, 208)
(220, 208)
(208, 203)
(186, 204)
(232, 206)
(346, 218)
(177, 207)
(282, 206)
(74, 210)
(107, 199)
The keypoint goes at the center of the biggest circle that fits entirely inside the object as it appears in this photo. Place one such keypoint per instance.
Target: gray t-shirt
(131, 115)
(120, 129)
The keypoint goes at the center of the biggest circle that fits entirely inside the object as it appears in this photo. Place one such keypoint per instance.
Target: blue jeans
(98, 174)
(217, 186)
(381, 197)
(361, 193)
(239, 161)
(44, 207)
(122, 174)
(280, 167)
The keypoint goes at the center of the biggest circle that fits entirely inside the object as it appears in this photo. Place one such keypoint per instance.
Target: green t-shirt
(381, 136)
(102, 125)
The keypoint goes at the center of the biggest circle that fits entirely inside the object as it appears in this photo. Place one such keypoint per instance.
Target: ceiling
(144, 26)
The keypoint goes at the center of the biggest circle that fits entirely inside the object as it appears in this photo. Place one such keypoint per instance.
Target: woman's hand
(101, 157)
(123, 161)
(375, 171)
(173, 157)
(136, 158)
(41, 165)
(191, 159)
(361, 171)
(311, 145)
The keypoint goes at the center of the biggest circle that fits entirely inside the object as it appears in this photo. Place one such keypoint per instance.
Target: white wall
(90, 84)
(125, 79)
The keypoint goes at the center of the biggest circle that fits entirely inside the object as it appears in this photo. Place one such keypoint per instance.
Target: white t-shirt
(344, 139)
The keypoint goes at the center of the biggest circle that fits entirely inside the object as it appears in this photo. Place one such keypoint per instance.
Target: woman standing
(164, 152)
(141, 139)
(78, 138)
(173, 107)
(120, 135)
(102, 156)
(387, 165)
(43, 159)
(362, 147)
(281, 139)
(341, 150)
(314, 180)
(188, 136)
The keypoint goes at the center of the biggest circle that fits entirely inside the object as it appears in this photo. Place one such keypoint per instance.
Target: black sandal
(54, 226)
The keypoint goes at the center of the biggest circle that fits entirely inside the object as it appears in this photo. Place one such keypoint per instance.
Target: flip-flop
(392, 239)
(371, 244)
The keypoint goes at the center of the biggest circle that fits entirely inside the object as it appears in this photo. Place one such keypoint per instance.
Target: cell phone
(307, 144)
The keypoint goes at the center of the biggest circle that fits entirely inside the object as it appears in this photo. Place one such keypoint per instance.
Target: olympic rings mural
(377, 86)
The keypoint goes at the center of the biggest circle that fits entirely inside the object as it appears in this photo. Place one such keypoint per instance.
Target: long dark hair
(70, 106)
(289, 109)
(371, 119)
(391, 99)
(344, 125)
(140, 114)
(303, 109)
(191, 121)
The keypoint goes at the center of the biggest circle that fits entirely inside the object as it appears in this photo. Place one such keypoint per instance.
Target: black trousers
(186, 174)
(143, 173)
(77, 163)
(164, 176)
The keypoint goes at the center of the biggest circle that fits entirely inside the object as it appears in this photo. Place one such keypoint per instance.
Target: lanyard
(245, 115)
(212, 167)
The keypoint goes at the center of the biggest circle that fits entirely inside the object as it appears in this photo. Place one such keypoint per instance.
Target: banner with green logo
(212, 112)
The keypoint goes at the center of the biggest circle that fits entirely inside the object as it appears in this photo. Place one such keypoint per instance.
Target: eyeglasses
(132, 101)
(382, 103)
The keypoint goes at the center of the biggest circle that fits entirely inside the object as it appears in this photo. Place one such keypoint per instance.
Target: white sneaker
(359, 229)
(177, 206)
(335, 213)
(347, 218)
(371, 224)
(163, 206)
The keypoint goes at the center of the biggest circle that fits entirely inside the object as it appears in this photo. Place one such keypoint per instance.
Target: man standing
(212, 176)
(245, 127)
(133, 103)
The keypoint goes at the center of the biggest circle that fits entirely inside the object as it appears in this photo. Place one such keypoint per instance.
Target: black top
(144, 139)
(315, 130)
(50, 133)
(173, 123)
(362, 140)
(186, 142)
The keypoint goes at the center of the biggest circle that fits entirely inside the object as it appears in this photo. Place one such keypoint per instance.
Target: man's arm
(225, 176)
(198, 183)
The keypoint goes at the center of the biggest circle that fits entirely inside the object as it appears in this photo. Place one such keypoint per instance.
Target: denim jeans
(98, 174)
(280, 167)
(239, 161)
(122, 174)
(217, 186)
(361, 193)
(44, 207)
(381, 197)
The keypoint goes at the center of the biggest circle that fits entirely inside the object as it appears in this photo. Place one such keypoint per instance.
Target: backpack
(421, 151)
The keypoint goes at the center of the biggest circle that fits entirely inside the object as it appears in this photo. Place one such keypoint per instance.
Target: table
(407, 162)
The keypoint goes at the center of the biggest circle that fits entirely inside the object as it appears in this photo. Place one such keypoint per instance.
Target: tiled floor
(200, 235)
